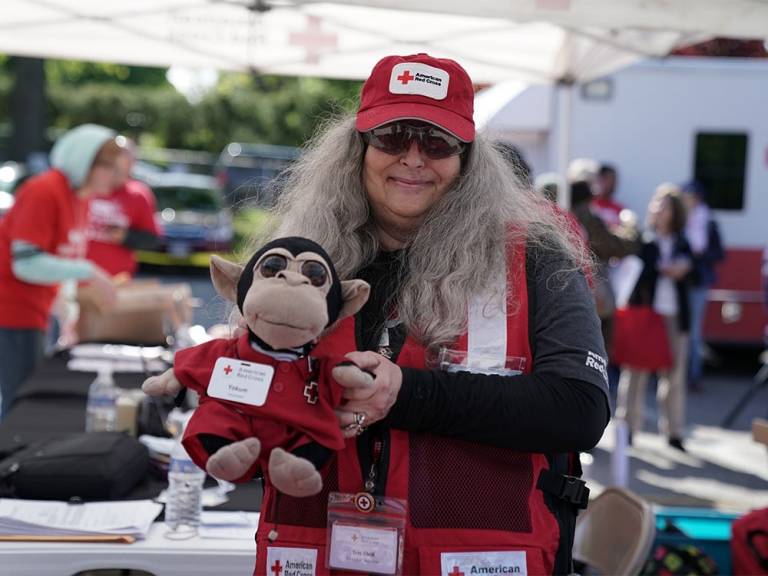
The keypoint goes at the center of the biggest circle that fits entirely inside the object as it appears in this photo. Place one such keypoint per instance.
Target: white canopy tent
(537, 40)
(552, 41)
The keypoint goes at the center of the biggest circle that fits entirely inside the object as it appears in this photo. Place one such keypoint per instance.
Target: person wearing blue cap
(42, 243)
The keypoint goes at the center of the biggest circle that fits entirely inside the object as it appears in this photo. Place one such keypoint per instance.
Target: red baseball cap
(418, 87)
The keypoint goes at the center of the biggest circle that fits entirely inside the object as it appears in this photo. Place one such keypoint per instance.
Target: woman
(663, 285)
(42, 243)
(123, 221)
(474, 279)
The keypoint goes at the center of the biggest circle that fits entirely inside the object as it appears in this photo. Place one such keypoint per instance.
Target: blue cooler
(704, 528)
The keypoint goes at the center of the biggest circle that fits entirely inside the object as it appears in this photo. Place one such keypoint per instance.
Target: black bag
(85, 465)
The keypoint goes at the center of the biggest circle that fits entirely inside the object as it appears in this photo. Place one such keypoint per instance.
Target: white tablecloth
(156, 554)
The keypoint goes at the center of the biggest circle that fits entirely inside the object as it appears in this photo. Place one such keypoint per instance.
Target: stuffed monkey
(265, 403)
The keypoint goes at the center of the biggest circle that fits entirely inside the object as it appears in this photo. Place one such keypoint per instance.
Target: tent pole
(563, 120)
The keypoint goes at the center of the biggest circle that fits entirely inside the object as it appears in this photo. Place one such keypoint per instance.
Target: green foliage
(268, 109)
(141, 103)
(72, 72)
(159, 111)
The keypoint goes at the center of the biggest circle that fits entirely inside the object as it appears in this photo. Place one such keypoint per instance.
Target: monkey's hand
(232, 461)
(352, 375)
(165, 384)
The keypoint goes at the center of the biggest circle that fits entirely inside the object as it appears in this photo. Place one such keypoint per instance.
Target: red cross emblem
(227, 369)
(455, 572)
(313, 40)
(310, 393)
(405, 77)
(276, 568)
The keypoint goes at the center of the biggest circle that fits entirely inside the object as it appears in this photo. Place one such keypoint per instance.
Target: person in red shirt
(42, 243)
(603, 203)
(123, 221)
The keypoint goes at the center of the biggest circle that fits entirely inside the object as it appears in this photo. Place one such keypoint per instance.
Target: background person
(408, 198)
(703, 236)
(663, 285)
(123, 221)
(604, 189)
(604, 243)
(42, 243)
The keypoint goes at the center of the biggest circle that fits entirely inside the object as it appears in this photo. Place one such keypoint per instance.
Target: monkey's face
(286, 305)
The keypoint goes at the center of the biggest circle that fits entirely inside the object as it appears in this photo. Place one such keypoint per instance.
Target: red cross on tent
(227, 369)
(313, 40)
(455, 572)
(276, 568)
(405, 77)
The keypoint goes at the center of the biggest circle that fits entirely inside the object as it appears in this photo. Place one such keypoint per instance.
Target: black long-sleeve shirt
(561, 406)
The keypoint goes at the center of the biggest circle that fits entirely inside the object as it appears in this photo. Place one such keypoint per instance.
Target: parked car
(243, 170)
(192, 215)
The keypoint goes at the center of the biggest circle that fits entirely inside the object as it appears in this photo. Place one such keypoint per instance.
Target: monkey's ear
(355, 294)
(225, 275)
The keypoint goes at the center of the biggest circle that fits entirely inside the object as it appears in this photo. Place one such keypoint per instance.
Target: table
(52, 401)
(156, 555)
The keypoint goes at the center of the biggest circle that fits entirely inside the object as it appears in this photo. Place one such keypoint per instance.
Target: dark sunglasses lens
(437, 144)
(271, 265)
(389, 139)
(315, 272)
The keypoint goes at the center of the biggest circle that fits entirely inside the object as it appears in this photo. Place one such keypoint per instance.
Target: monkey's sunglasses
(274, 264)
(396, 137)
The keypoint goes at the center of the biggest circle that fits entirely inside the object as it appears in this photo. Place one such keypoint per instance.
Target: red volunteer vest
(463, 497)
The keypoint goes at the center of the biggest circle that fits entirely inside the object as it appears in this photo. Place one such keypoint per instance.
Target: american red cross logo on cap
(455, 572)
(276, 568)
(406, 77)
(227, 369)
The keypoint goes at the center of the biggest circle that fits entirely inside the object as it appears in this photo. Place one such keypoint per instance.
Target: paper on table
(229, 525)
(133, 517)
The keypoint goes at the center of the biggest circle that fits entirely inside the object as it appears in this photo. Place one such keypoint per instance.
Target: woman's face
(662, 215)
(101, 179)
(402, 188)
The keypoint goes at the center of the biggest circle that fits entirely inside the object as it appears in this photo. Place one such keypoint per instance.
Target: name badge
(363, 548)
(483, 563)
(291, 561)
(238, 381)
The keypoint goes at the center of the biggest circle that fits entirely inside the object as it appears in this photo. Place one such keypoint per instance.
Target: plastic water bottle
(101, 411)
(184, 502)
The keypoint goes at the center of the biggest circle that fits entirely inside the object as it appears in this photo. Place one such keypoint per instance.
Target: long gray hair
(459, 250)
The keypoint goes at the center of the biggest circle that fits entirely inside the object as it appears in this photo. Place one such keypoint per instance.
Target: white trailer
(667, 120)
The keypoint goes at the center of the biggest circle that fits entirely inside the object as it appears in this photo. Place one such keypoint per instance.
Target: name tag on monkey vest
(238, 381)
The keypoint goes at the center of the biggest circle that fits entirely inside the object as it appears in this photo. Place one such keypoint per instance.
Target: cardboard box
(145, 312)
(760, 430)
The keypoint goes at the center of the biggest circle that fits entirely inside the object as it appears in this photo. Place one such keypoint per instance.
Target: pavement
(723, 468)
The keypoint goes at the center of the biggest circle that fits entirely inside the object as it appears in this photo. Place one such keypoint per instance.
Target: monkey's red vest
(469, 504)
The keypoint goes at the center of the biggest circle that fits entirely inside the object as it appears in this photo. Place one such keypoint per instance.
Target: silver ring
(360, 419)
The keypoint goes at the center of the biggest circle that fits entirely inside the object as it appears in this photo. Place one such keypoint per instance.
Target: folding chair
(615, 533)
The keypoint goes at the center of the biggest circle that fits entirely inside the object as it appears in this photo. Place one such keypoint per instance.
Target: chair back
(615, 533)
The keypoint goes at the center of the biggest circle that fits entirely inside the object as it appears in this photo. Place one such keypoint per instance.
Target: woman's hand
(374, 401)
(675, 270)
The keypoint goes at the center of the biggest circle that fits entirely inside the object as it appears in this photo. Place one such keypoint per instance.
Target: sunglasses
(274, 264)
(396, 138)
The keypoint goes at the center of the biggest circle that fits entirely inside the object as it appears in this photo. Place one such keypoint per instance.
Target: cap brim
(449, 121)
